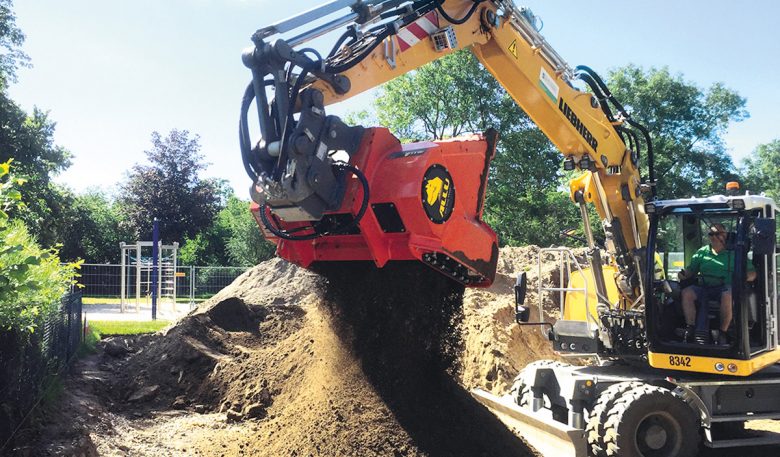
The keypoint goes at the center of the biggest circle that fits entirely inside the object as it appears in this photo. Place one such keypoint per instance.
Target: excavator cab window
(683, 240)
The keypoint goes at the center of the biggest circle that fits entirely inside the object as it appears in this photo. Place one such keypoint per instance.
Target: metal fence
(29, 361)
(200, 283)
(103, 280)
(192, 283)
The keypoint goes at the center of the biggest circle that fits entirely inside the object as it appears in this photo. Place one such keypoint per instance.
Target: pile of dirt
(350, 361)
(354, 360)
(496, 348)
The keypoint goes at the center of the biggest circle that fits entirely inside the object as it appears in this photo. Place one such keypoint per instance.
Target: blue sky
(111, 72)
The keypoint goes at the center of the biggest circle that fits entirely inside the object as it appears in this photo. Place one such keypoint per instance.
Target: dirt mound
(496, 348)
(403, 324)
(351, 361)
(274, 282)
(370, 359)
(357, 360)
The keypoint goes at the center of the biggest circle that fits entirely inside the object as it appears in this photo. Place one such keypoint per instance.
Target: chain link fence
(30, 361)
(102, 283)
(201, 283)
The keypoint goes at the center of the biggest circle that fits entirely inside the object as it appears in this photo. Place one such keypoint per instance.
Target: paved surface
(112, 312)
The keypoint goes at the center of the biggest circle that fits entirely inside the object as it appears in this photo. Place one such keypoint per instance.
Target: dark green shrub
(32, 280)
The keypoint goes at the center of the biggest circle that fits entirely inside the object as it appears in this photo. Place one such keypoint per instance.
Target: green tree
(32, 280)
(246, 245)
(233, 240)
(686, 124)
(96, 227)
(11, 40)
(29, 140)
(170, 188)
(207, 248)
(762, 170)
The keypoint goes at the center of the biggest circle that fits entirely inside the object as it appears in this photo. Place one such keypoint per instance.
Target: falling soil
(351, 360)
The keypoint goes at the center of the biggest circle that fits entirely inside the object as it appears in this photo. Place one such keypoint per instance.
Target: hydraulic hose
(650, 158)
(604, 88)
(287, 234)
(289, 121)
(359, 58)
(312, 51)
(251, 167)
(386, 30)
(633, 141)
(462, 20)
(631, 122)
(243, 135)
(627, 135)
(602, 98)
(342, 39)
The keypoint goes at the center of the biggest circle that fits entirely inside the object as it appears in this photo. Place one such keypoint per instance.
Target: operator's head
(717, 235)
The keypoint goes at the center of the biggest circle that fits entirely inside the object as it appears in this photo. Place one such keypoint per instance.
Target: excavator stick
(417, 201)
(538, 429)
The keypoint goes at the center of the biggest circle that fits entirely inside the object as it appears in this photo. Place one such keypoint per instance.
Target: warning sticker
(418, 30)
(548, 85)
(513, 48)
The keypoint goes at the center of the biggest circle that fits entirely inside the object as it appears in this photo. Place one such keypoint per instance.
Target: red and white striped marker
(417, 30)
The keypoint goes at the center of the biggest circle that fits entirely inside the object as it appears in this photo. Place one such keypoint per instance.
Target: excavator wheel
(522, 392)
(594, 431)
(524, 396)
(649, 421)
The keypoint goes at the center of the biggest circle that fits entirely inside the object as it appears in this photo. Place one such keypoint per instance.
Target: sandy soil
(283, 362)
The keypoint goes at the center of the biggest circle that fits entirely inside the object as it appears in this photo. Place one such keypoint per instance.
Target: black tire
(594, 430)
(520, 391)
(649, 421)
(523, 395)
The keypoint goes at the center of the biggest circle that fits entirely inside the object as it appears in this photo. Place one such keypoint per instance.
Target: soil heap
(286, 362)
(354, 360)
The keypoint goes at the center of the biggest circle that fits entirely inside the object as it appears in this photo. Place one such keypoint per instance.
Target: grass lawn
(99, 329)
(107, 328)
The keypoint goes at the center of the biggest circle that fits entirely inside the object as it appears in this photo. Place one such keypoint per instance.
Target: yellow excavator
(325, 191)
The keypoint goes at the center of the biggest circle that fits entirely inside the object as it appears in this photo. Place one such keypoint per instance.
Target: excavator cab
(678, 229)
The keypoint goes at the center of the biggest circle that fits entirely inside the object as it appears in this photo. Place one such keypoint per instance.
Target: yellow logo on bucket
(437, 194)
(433, 190)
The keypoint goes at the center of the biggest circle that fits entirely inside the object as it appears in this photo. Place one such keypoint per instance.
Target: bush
(32, 280)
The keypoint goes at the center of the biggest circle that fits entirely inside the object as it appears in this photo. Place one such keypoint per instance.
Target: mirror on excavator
(522, 312)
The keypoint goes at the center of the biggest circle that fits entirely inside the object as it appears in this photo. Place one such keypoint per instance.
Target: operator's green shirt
(715, 269)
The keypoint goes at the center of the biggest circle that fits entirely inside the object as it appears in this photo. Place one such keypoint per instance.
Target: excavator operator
(714, 264)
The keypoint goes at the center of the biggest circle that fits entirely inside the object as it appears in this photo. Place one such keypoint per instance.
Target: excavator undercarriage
(568, 410)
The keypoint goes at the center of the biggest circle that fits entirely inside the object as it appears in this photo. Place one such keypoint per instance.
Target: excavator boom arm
(386, 39)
